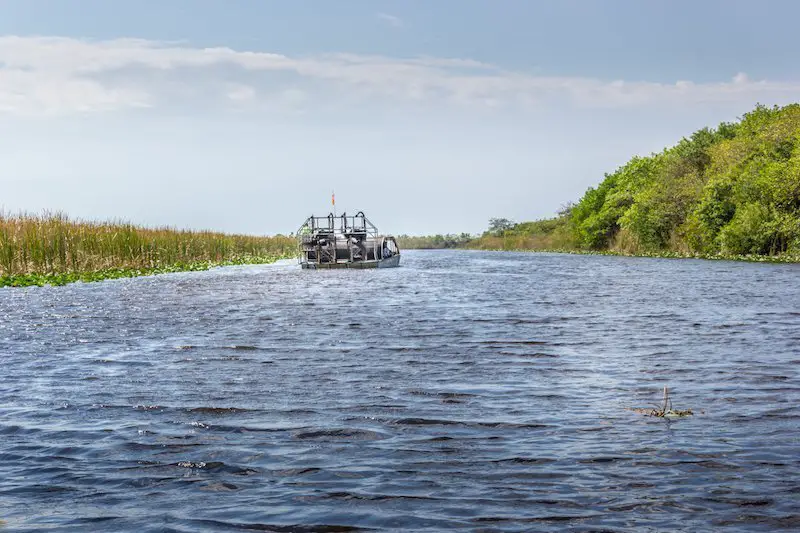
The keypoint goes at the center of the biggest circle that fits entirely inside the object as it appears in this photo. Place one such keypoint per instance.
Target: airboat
(345, 242)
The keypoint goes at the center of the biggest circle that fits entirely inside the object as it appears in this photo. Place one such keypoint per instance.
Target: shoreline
(753, 258)
(59, 279)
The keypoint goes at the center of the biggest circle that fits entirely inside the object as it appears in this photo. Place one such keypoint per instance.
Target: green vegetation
(732, 191)
(52, 249)
(430, 242)
(548, 234)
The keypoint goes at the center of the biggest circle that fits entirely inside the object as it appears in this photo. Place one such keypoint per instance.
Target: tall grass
(53, 243)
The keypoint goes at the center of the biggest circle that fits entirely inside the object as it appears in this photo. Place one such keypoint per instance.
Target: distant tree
(498, 225)
(566, 209)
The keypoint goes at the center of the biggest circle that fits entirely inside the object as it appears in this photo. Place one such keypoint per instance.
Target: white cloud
(241, 93)
(395, 22)
(54, 75)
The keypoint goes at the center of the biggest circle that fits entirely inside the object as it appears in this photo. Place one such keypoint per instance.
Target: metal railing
(343, 224)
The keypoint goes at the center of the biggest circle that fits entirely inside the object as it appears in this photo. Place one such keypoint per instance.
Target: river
(475, 391)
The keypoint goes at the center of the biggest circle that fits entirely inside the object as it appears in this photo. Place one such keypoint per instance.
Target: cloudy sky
(242, 115)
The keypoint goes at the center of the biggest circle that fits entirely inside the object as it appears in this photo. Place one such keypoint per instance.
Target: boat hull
(389, 262)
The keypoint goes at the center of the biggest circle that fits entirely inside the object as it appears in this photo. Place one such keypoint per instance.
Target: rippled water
(466, 390)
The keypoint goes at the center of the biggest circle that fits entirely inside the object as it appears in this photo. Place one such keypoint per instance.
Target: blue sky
(430, 116)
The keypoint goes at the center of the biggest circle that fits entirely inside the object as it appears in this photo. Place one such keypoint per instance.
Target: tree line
(730, 190)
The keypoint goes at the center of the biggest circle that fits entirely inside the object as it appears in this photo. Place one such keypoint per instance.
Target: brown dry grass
(53, 243)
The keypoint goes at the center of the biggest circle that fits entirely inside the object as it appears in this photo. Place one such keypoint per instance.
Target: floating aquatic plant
(663, 411)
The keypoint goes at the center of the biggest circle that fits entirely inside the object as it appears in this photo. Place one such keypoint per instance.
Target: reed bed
(53, 244)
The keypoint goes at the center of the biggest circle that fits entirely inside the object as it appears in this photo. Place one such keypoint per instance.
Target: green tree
(499, 225)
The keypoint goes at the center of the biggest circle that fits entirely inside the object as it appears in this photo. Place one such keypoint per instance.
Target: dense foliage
(732, 190)
(54, 249)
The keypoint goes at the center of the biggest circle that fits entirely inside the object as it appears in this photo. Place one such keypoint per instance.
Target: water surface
(477, 391)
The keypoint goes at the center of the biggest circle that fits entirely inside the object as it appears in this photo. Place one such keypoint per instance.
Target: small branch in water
(666, 410)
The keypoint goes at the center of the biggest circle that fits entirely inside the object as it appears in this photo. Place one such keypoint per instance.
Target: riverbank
(510, 244)
(64, 278)
(753, 258)
(730, 192)
(52, 249)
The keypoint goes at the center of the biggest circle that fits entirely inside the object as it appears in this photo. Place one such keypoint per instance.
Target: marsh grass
(51, 246)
